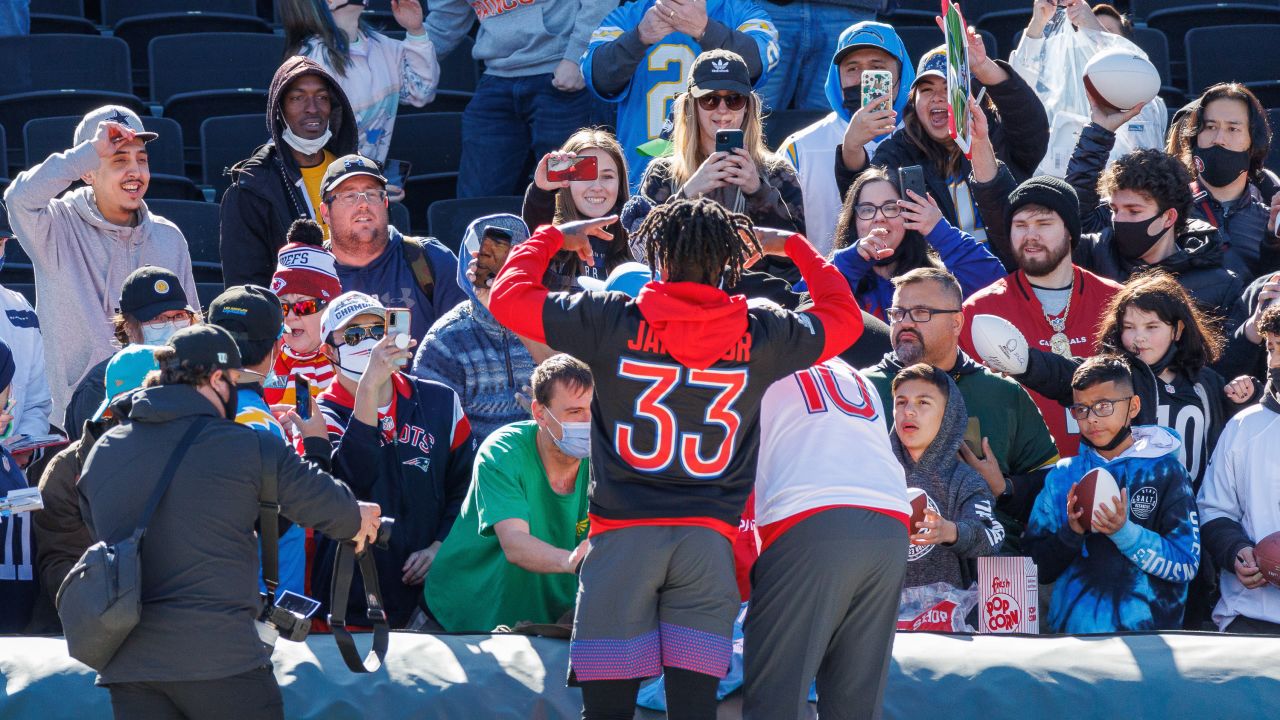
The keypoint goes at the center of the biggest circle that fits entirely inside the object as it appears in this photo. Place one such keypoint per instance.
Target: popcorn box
(1009, 595)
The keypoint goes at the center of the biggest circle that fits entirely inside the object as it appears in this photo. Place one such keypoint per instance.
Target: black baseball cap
(719, 70)
(250, 313)
(151, 290)
(349, 166)
(204, 346)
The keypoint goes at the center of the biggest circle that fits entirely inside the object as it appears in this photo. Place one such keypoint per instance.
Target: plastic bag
(937, 608)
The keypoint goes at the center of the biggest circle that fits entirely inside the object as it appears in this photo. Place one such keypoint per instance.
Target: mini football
(1096, 488)
(919, 500)
(1267, 554)
(1121, 78)
(1001, 346)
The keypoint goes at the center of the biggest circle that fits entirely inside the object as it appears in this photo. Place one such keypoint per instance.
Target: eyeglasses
(867, 211)
(353, 335)
(373, 197)
(734, 102)
(917, 314)
(160, 322)
(303, 308)
(1100, 409)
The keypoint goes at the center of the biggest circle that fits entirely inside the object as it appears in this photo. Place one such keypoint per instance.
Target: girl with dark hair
(376, 72)
(881, 235)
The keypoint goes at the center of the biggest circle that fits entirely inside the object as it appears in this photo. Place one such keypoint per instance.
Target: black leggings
(690, 696)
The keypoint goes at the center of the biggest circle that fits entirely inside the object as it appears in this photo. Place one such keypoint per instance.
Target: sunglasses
(303, 308)
(734, 101)
(353, 335)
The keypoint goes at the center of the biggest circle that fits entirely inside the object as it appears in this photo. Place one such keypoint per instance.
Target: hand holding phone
(398, 324)
(875, 84)
(302, 397)
(911, 178)
(728, 140)
(573, 169)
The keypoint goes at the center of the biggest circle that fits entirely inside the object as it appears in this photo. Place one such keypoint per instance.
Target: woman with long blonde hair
(750, 180)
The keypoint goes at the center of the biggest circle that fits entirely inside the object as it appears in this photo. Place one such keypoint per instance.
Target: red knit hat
(306, 270)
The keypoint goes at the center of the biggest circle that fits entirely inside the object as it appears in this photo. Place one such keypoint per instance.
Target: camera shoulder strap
(268, 517)
(416, 254)
(170, 469)
(344, 561)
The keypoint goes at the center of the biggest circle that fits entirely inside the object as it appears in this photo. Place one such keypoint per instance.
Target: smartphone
(302, 397)
(875, 84)
(973, 438)
(911, 178)
(397, 171)
(398, 324)
(573, 169)
(728, 140)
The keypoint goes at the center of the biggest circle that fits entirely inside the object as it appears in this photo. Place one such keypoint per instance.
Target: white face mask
(353, 359)
(153, 334)
(303, 145)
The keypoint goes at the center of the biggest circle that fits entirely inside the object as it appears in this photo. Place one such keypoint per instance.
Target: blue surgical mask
(576, 441)
(157, 333)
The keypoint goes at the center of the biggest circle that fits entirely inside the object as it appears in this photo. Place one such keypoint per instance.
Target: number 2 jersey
(679, 375)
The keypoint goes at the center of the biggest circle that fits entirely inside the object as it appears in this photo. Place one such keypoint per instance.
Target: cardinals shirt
(679, 374)
(1137, 578)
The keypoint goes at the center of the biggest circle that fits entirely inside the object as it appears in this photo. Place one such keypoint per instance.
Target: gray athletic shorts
(651, 597)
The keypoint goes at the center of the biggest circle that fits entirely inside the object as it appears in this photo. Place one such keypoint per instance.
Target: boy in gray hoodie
(929, 419)
(84, 244)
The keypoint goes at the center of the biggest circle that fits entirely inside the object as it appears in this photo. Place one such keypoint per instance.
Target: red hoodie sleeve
(833, 302)
(517, 295)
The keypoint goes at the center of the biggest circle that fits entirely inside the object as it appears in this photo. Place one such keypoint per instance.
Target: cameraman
(196, 651)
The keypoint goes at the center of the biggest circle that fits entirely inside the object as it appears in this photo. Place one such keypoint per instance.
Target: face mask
(1115, 441)
(1132, 239)
(357, 3)
(303, 145)
(353, 359)
(230, 406)
(577, 437)
(161, 334)
(1271, 393)
(1158, 366)
(1218, 166)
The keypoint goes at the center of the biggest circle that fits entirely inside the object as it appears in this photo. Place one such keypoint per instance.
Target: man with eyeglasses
(152, 307)
(399, 439)
(1125, 568)
(373, 257)
(1006, 438)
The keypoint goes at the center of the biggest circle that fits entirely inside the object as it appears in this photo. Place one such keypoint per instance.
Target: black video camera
(290, 615)
(383, 540)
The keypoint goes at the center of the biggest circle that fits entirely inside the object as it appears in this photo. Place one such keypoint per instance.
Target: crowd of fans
(570, 429)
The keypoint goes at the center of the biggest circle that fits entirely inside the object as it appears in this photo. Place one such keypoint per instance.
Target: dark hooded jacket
(266, 193)
(61, 534)
(956, 492)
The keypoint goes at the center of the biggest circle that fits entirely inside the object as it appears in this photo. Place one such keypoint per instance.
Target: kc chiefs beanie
(1050, 192)
(304, 266)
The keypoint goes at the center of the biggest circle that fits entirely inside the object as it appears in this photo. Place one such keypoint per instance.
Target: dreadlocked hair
(697, 241)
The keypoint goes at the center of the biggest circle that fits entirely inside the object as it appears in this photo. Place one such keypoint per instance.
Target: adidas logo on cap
(719, 66)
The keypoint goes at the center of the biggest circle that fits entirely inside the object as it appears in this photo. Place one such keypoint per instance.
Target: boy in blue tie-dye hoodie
(1131, 571)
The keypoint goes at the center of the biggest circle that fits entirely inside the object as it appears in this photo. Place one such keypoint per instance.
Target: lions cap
(349, 166)
(150, 291)
(88, 126)
(719, 70)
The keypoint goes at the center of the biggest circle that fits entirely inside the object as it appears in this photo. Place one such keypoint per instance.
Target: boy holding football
(1120, 562)
(1241, 502)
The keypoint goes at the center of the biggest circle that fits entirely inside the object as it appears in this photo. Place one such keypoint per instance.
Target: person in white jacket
(1240, 502)
(84, 244)
(376, 72)
(20, 330)
(1039, 61)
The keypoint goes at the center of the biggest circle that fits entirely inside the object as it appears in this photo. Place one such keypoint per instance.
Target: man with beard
(373, 257)
(1006, 438)
(1056, 305)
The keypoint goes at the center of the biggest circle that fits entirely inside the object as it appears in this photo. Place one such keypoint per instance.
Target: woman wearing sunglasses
(749, 179)
(881, 235)
(306, 281)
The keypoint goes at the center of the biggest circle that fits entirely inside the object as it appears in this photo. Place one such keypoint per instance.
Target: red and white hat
(306, 270)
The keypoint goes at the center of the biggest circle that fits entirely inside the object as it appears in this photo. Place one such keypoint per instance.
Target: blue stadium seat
(781, 123)
(1251, 59)
(189, 63)
(17, 110)
(398, 215)
(421, 192)
(72, 8)
(446, 101)
(432, 142)
(138, 31)
(225, 141)
(61, 25)
(447, 220)
(4, 156)
(113, 11)
(200, 223)
(1003, 24)
(1143, 9)
(42, 137)
(458, 70)
(920, 40)
(56, 62)
(1273, 159)
(193, 108)
(1176, 22)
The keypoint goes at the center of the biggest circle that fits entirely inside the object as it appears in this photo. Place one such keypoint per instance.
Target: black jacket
(265, 195)
(1019, 132)
(200, 556)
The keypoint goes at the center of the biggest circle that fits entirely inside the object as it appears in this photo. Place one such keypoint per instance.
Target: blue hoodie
(467, 350)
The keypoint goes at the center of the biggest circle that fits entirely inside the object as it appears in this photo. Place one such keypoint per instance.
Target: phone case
(728, 140)
(875, 83)
(571, 169)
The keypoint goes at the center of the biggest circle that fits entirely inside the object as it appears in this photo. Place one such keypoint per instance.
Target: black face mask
(1271, 393)
(359, 3)
(1158, 366)
(230, 406)
(1218, 166)
(1132, 240)
(1115, 441)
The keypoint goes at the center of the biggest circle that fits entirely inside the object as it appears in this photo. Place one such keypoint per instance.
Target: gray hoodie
(81, 261)
(959, 494)
(518, 39)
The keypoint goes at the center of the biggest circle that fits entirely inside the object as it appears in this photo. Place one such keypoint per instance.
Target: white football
(1096, 488)
(1001, 346)
(1121, 78)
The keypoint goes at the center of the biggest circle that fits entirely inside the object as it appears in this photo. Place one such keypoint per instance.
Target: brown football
(1096, 488)
(1267, 554)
